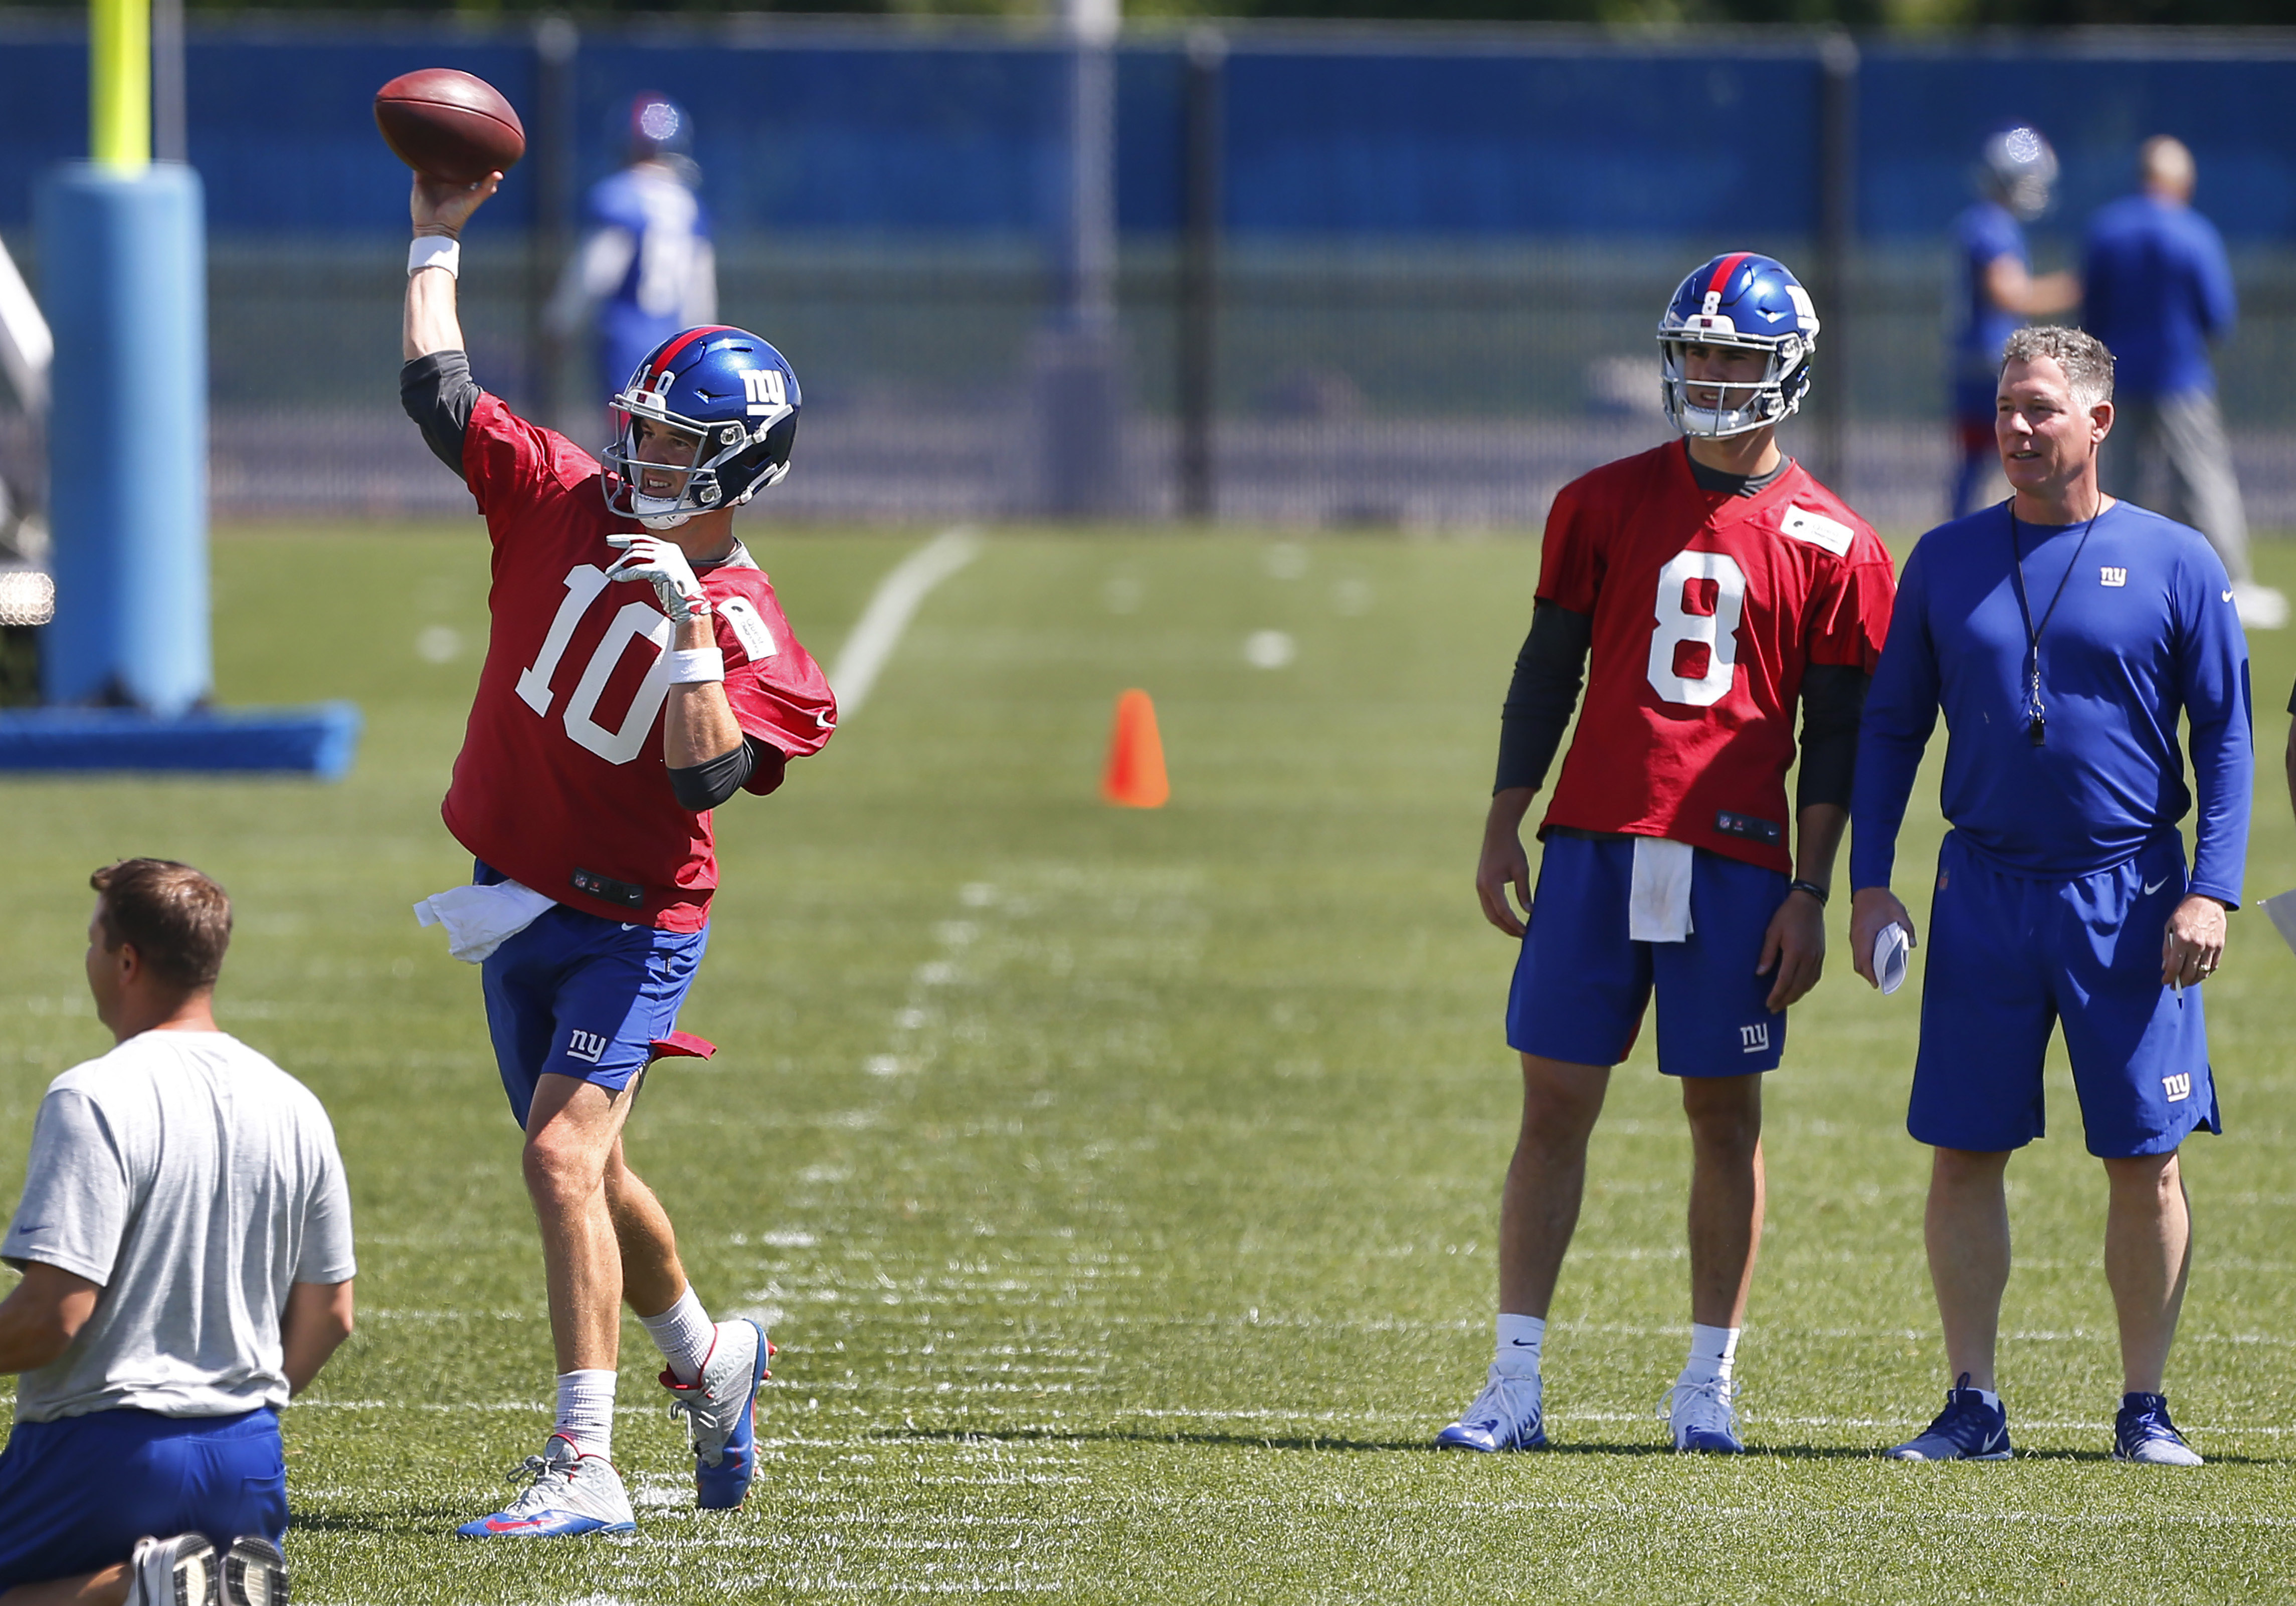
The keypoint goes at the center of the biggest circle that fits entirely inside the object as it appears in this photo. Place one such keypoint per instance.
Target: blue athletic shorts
(2009, 958)
(1581, 983)
(77, 1493)
(575, 995)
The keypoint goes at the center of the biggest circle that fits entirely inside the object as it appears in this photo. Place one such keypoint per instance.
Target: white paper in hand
(2283, 910)
(1890, 957)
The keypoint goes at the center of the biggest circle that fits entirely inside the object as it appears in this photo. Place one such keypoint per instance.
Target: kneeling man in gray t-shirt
(185, 1240)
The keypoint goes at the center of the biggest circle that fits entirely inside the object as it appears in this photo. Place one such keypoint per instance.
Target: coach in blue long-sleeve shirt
(2157, 289)
(2063, 635)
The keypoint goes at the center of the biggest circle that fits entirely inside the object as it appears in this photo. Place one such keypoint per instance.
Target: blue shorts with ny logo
(577, 995)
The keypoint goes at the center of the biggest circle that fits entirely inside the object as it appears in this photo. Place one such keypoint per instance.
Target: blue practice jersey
(646, 267)
(2156, 289)
(1981, 236)
(2146, 631)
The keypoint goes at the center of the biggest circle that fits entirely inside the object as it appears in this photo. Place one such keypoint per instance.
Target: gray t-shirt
(194, 1180)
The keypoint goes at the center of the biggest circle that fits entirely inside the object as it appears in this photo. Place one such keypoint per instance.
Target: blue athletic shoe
(1506, 1416)
(1966, 1429)
(572, 1493)
(720, 1408)
(1701, 1418)
(2143, 1432)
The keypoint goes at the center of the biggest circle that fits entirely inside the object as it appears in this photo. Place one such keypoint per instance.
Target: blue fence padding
(321, 740)
(1514, 134)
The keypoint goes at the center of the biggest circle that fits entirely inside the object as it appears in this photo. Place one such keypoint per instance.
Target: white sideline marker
(897, 600)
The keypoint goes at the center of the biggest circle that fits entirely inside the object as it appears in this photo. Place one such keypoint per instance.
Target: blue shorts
(2009, 958)
(77, 1493)
(576, 994)
(1582, 982)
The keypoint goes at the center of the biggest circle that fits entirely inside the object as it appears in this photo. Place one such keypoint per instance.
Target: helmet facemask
(1717, 409)
(663, 494)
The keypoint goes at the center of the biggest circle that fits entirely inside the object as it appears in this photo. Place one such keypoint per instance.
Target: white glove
(651, 558)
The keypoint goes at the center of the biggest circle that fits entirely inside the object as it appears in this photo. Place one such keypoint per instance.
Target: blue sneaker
(1701, 1418)
(572, 1493)
(1506, 1416)
(2143, 1432)
(1966, 1429)
(720, 1408)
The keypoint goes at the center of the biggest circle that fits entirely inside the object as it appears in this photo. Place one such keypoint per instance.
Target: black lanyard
(2036, 716)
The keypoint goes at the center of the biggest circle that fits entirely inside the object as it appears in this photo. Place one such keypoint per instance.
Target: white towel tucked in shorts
(478, 920)
(1658, 899)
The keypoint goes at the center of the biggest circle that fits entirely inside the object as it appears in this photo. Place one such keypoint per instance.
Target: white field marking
(897, 598)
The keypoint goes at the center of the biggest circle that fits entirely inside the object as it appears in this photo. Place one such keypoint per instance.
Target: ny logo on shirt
(2110, 576)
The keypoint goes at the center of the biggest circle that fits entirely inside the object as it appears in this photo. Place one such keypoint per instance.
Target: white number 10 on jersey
(1683, 623)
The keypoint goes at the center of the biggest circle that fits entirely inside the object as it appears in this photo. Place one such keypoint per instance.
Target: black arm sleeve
(1832, 700)
(1548, 675)
(439, 395)
(708, 784)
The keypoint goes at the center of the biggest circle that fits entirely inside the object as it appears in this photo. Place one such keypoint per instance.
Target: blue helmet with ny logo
(707, 421)
(1738, 302)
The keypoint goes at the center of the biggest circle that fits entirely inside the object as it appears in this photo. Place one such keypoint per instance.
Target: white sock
(1990, 1396)
(683, 1334)
(1713, 1352)
(585, 1410)
(1519, 1340)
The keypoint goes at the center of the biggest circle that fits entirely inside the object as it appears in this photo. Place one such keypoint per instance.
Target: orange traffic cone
(1134, 777)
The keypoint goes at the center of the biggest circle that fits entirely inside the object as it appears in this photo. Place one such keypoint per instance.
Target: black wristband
(1812, 888)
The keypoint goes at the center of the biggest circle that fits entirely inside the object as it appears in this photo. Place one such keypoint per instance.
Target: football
(449, 125)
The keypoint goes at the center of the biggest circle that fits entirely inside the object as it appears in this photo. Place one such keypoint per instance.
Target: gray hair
(2087, 365)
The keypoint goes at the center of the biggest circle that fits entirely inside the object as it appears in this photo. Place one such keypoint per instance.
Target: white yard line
(897, 598)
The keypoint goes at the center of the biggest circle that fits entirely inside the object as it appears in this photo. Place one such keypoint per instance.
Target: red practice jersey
(1707, 609)
(562, 767)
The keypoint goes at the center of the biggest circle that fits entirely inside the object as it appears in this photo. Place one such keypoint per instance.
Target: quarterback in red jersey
(1716, 585)
(639, 673)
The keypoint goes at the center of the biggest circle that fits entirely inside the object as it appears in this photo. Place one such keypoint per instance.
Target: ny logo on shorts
(589, 1045)
(1755, 1038)
(2178, 1089)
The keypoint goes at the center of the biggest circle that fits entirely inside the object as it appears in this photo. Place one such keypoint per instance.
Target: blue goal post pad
(319, 739)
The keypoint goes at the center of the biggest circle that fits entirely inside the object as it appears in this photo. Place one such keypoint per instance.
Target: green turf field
(1120, 1187)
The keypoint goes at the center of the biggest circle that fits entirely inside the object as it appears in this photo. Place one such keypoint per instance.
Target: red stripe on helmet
(661, 363)
(1718, 285)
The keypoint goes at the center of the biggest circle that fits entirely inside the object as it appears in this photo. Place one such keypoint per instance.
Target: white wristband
(435, 251)
(688, 665)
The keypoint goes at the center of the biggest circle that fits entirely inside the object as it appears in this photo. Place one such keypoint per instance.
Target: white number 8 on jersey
(1715, 627)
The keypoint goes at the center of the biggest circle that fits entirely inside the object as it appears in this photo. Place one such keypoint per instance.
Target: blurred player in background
(1717, 585)
(645, 267)
(610, 720)
(2063, 635)
(186, 1240)
(1995, 290)
(2158, 290)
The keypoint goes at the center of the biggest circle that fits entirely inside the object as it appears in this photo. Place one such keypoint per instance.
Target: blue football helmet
(727, 394)
(1748, 303)
(2017, 167)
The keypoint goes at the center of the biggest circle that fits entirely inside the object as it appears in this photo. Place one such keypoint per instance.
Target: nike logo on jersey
(2152, 887)
(2228, 596)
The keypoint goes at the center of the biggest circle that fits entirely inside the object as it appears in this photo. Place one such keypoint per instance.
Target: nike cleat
(2144, 1433)
(1966, 1429)
(1506, 1416)
(720, 1408)
(180, 1571)
(254, 1573)
(571, 1492)
(1700, 1419)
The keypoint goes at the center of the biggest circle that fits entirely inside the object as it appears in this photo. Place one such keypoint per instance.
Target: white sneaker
(572, 1493)
(1701, 1418)
(254, 1573)
(180, 1571)
(1506, 1416)
(721, 1412)
(2259, 607)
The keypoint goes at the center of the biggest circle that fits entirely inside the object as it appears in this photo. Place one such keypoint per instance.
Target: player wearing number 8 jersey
(1704, 589)
(639, 672)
